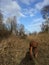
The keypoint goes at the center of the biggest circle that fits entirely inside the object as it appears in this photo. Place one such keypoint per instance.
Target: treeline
(11, 27)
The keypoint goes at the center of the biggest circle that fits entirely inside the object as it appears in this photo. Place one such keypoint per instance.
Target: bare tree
(1, 20)
(45, 14)
(12, 24)
(21, 30)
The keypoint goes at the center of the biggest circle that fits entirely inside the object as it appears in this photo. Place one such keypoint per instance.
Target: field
(15, 51)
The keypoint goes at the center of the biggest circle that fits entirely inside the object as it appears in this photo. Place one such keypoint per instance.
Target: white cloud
(11, 8)
(13, 5)
(20, 14)
(35, 25)
(40, 5)
(27, 2)
(37, 20)
(30, 12)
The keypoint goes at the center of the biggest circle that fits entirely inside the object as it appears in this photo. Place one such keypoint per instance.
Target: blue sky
(27, 12)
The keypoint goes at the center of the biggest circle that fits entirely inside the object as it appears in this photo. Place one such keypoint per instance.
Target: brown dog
(33, 49)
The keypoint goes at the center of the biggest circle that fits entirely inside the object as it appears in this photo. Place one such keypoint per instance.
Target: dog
(33, 49)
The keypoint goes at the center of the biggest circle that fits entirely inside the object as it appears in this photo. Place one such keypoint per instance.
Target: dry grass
(14, 50)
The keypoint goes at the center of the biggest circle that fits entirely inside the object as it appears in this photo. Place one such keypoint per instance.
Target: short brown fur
(33, 49)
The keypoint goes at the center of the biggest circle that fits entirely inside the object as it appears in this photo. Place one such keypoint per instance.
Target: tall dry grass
(14, 50)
